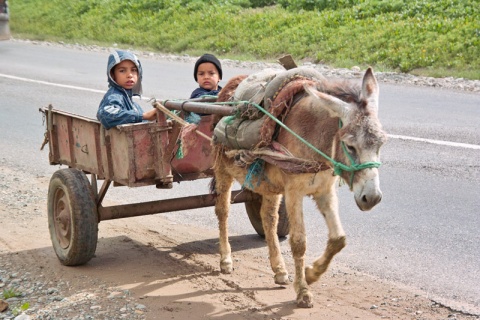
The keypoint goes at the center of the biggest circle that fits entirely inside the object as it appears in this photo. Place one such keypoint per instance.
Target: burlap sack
(252, 88)
(237, 133)
(252, 128)
(284, 77)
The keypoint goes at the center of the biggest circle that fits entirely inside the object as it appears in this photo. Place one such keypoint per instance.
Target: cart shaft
(167, 205)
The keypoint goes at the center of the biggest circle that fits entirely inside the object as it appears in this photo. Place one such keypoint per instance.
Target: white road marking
(444, 143)
(394, 136)
(50, 83)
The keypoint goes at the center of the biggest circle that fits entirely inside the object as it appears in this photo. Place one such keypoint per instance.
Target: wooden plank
(287, 62)
(98, 150)
(71, 143)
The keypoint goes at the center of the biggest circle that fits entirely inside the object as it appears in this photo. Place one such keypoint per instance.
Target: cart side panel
(84, 144)
(75, 142)
(120, 156)
(61, 125)
(199, 157)
(143, 157)
(130, 153)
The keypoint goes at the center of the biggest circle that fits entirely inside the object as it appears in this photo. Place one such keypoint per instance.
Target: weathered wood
(133, 155)
(287, 62)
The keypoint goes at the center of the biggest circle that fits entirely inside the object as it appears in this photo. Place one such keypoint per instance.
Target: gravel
(48, 299)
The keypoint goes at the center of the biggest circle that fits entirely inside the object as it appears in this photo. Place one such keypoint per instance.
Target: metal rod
(198, 107)
(168, 205)
(103, 191)
(165, 110)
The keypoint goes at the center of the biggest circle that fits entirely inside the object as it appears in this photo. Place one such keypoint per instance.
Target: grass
(426, 37)
(16, 309)
(10, 293)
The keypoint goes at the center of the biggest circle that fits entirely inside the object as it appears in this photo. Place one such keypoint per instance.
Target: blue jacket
(197, 93)
(117, 106)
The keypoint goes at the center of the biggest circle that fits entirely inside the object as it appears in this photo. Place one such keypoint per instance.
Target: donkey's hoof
(281, 279)
(226, 267)
(305, 300)
(310, 275)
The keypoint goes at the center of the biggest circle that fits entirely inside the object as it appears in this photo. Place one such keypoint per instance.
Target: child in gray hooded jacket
(124, 72)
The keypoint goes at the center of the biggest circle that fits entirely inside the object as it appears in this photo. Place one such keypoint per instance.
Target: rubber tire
(253, 212)
(71, 199)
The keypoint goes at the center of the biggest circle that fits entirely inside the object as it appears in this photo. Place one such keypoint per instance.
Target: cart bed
(132, 154)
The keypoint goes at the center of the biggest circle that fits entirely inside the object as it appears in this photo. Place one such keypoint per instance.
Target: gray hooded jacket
(117, 106)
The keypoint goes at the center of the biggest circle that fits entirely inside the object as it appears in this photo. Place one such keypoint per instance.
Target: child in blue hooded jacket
(124, 72)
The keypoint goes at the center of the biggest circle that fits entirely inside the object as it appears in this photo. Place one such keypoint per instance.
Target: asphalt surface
(424, 233)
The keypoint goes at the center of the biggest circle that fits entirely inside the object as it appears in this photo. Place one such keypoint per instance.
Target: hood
(118, 56)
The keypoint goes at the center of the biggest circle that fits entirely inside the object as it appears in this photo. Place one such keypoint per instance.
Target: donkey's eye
(350, 149)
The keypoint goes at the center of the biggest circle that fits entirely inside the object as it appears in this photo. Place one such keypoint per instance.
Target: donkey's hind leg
(328, 206)
(223, 186)
(269, 213)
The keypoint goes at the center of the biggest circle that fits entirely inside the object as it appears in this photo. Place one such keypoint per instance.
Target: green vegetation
(20, 308)
(12, 293)
(431, 37)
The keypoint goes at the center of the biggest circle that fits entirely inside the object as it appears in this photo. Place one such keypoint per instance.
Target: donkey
(356, 141)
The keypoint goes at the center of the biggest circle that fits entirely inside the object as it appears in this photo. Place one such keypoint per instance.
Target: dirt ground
(173, 270)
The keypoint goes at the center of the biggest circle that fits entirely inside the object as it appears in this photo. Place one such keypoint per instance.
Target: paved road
(424, 233)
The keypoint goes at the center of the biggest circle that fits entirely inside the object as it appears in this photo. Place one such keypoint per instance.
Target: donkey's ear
(370, 90)
(335, 106)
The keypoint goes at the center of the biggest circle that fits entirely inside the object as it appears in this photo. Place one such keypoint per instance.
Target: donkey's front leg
(269, 214)
(328, 206)
(223, 188)
(298, 244)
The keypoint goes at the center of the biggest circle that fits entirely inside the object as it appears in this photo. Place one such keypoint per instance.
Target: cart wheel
(253, 211)
(72, 217)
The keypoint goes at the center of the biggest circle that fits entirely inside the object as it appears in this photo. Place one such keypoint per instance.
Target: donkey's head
(359, 138)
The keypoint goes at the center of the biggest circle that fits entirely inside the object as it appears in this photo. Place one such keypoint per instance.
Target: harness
(338, 167)
(289, 91)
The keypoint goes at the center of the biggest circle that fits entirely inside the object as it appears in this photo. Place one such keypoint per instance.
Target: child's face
(125, 74)
(207, 76)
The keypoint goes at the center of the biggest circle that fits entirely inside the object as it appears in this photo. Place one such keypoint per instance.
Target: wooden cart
(132, 155)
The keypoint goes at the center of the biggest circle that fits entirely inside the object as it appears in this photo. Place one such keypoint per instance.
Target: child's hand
(150, 115)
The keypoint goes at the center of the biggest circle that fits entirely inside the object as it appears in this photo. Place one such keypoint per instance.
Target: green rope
(338, 167)
(207, 96)
(353, 166)
(255, 170)
(179, 154)
(229, 119)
